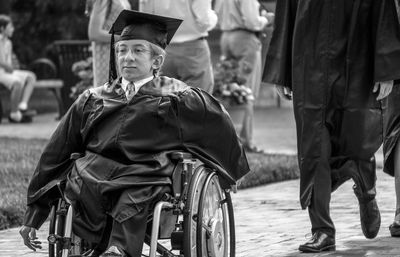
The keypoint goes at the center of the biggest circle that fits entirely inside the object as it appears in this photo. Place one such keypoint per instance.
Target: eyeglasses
(136, 50)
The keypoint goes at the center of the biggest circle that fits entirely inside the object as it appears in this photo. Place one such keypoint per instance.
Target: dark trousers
(334, 170)
(127, 227)
(129, 235)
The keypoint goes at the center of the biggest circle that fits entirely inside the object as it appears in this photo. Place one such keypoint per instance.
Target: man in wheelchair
(124, 132)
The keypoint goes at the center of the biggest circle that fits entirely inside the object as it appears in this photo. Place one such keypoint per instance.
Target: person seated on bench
(19, 82)
(126, 130)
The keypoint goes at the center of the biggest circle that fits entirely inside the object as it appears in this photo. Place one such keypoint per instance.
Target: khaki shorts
(21, 76)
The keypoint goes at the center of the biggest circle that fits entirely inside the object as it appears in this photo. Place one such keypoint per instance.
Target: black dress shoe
(370, 216)
(319, 242)
(394, 229)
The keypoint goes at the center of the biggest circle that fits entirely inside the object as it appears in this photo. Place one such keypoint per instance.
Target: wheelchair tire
(209, 228)
(57, 228)
(52, 229)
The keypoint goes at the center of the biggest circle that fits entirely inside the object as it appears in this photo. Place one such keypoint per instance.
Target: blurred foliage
(269, 168)
(18, 159)
(40, 22)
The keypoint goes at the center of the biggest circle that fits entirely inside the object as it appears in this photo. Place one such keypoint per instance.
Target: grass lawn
(18, 158)
(269, 168)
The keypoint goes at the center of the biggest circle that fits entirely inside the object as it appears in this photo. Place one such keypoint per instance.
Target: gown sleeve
(207, 131)
(55, 163)
(386, 28)
(278, 64)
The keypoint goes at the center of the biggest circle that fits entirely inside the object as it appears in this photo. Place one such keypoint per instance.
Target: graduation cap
(155, 29)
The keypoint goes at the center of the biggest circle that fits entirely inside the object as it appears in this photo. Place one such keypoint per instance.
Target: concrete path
(42, 127)
(269, 221)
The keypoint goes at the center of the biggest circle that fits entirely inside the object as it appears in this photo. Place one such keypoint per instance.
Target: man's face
(134, 59)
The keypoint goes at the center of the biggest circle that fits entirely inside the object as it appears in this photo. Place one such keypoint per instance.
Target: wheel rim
(215, 238)
(191, 210)
(213, 227)
(220, 225)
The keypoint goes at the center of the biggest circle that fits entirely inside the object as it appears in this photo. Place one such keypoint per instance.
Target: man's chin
(129, 76)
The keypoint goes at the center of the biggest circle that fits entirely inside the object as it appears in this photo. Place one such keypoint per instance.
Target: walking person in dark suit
(391, 143)
(337, 57)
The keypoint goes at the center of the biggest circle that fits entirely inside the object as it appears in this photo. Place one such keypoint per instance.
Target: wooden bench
(54, 72)
(47, 78)
(46, 74)
(64, 54)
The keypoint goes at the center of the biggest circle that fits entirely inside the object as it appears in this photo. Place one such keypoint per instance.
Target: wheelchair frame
(193, 230)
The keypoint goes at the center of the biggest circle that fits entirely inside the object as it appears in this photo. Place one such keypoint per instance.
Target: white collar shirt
(138, 84)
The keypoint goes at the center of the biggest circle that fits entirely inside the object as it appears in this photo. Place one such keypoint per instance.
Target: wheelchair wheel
(56, 233)
(209, 228)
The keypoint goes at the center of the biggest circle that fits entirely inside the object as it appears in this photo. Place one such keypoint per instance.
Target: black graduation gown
(391, 128)
(330, 53)
(125, 145)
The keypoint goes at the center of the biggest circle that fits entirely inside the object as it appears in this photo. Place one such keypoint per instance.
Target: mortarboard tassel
(112, 75)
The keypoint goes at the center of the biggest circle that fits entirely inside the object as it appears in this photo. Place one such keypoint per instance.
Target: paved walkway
(269, 221)
(42, 127)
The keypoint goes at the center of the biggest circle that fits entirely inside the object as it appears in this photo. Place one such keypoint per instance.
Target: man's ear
(157, 62)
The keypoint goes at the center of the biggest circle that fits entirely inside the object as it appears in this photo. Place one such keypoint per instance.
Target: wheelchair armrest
(61, 187)
(180, 156)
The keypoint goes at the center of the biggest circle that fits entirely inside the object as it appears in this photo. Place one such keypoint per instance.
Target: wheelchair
(195, 220)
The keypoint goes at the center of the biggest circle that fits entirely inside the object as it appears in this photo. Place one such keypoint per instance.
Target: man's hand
(284, 92)
(30, 239)
(384, 89)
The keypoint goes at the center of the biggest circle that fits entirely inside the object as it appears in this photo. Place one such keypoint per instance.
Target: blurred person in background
(391, 143)
(242, 23)
(188, 55)
(102, 15)
(19, 82)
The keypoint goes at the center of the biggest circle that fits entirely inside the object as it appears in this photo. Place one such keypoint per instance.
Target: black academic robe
(391, 128)
(126, 144)
(330, 53)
